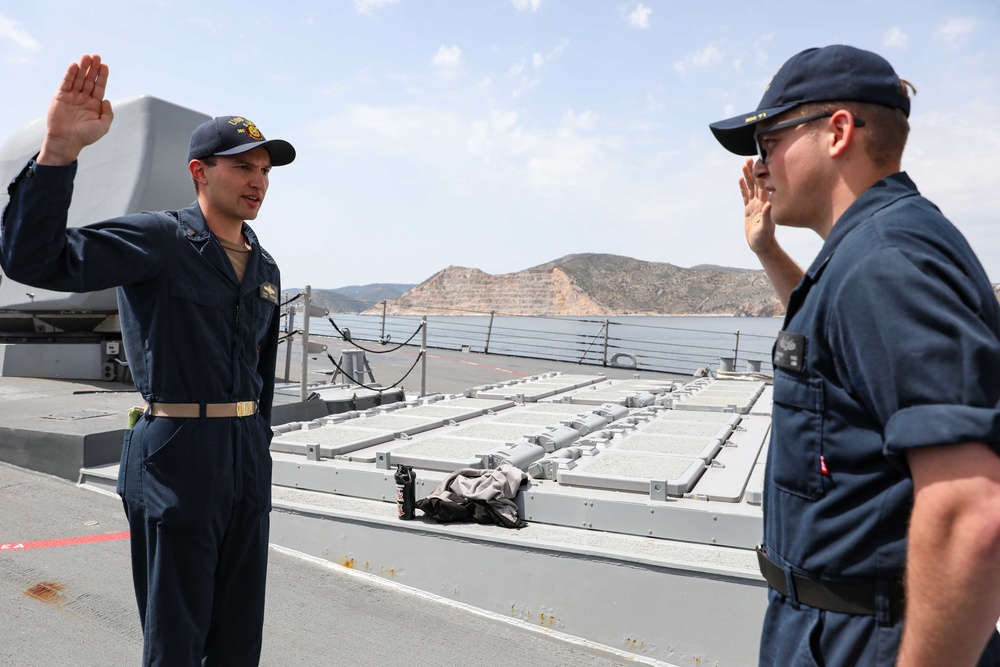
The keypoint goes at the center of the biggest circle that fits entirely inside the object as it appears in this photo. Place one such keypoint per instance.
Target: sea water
(680, 344)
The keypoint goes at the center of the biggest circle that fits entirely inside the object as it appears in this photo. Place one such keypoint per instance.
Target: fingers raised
(94, 76)
(748, 184)
(69, 80)
(748, 174)
(102, 82)
(89, 77)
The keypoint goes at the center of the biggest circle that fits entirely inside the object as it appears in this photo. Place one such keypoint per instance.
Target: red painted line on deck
(63, 542)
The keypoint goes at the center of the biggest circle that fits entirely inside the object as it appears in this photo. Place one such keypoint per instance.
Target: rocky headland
(591, 284)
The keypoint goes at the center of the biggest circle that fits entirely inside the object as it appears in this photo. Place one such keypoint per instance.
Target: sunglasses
(792, 122)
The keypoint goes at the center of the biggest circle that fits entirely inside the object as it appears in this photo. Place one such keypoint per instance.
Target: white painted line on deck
(403, 588)
(476, 363)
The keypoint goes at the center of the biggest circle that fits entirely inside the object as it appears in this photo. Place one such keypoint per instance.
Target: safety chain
(290, 334)
(292, 299)
(348, 338)
(362, 384)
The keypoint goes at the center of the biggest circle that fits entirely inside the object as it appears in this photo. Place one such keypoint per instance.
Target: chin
(787, 220)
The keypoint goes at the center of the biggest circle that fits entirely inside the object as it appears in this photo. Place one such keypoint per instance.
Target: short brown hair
(886, 129)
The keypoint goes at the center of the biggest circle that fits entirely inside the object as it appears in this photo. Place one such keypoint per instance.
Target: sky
(503, 134)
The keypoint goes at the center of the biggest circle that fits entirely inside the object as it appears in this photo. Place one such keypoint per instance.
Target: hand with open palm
(78, 114)
(757, 224)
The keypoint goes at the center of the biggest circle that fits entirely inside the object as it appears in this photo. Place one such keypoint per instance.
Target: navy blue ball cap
(232, 135)
(832, 73)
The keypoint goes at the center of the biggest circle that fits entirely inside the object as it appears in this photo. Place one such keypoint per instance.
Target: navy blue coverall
(196, 491)
(902, 350)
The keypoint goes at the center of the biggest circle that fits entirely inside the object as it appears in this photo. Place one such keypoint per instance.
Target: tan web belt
(194, 410)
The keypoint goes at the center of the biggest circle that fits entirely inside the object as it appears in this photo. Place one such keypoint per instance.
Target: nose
(759, 169)
(258, 180)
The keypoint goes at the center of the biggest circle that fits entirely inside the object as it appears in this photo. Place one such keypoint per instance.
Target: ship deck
(638, 547)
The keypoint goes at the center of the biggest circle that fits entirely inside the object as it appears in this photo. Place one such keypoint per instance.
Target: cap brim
(281, 151)
(736, 134)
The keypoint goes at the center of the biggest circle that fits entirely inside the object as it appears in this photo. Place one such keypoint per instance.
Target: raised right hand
(78, 114)
(757, 224)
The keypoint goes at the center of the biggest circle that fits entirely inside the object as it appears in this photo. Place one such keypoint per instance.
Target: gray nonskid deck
(655, 599)
(314, 615)
(628, 492)
(631, 498)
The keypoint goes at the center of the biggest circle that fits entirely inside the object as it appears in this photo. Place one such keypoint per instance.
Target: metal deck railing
(681, 345)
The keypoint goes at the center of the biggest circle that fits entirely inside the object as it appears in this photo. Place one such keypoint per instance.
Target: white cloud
(527, 5)
(583, 121)
(950, 153)
(567, 157)
(954, 30)
(639, 18)
(654, 100)
(710, 55)
(365, 6)
(484, 134)
(448, 57)
(12, 31)
(760, 49)
(567, 161)
(448, 61)
(203, 23)
(527, 82)
(516, 69)
(571, 155)
(571, 163)
(539, 59)
(407, 130)
(894, 38)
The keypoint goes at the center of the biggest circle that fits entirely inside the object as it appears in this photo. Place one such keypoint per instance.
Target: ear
(197, 169)
(841, 126)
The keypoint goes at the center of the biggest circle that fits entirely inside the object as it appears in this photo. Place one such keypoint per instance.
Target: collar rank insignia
(269, 292)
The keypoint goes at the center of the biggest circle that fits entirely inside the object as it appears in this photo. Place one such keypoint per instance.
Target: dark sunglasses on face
(792, 122)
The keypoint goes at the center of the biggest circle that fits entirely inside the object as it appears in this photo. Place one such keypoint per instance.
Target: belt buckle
(246, 408)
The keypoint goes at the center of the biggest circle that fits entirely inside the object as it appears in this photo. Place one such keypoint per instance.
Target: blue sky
(501, 134)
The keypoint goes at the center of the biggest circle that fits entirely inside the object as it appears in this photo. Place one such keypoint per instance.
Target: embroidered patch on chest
(790, 351)
(269, 292)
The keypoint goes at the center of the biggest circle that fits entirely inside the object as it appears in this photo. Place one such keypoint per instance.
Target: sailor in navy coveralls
(198, 299)
(882, 493)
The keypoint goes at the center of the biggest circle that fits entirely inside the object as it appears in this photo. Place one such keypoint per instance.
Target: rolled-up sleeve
(920, 344)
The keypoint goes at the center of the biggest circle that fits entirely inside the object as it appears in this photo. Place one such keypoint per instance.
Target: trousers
(806, 637)
(196, 494)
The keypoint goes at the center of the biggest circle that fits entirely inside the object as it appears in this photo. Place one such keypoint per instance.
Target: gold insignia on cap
(248, 127)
